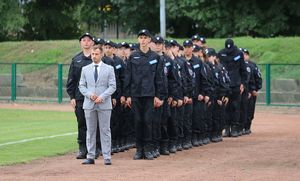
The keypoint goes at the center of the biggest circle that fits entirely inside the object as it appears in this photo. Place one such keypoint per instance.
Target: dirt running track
(271, 152)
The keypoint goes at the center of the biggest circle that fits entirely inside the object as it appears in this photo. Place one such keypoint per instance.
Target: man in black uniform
(189, 87)
(233, 60)
(168, 122)
(143, 86)
(80, 60)
(255, 84)
(116, 116)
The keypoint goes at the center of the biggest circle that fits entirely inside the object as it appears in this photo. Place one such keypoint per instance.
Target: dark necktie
(96, 73)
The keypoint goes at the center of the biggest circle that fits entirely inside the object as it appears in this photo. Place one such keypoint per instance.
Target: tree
(53, 19)
(11, 21)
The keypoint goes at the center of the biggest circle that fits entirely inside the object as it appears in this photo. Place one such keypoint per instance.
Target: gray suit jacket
(105, 86)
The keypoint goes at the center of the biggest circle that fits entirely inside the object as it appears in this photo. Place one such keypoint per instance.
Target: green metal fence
(47, 82)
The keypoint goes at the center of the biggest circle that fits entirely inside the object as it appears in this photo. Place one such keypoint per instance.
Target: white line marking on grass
(37, 138)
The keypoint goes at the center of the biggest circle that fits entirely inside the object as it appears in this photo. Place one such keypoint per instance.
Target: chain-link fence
(47, 82)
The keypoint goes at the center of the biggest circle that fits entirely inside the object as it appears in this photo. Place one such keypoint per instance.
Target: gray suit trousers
(103, 117)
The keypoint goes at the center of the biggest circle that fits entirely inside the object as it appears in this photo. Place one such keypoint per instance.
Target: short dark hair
(95, 47)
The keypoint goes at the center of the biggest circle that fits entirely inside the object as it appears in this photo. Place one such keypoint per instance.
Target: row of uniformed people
(205, 89)
(176, 95)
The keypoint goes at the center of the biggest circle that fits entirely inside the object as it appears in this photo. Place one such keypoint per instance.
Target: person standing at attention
(97, 84)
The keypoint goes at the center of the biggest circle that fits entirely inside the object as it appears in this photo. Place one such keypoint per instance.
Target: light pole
(163, 18)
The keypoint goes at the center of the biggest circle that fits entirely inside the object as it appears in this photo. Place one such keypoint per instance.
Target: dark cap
(133, 46)
(110, 43)
(202, 39)
(86, 34)
(195, 37)
(246, 51)
(158, 39)
(210, 52)
(144, 32)
(99, 41)
(187, 43)
(229, 43)
(123, 44)
(197, 48)
(198, 38)
(174, 43)
(167, 44)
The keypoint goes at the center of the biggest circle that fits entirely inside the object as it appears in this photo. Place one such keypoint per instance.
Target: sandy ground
(271, 152)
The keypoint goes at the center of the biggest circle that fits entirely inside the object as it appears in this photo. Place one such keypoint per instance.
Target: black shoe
(214, 139)
(107, 162)
(148, 155)
(206, 141)
(227, 133)
(81, 155)
(172, 149)
(88, 161)
(234, 133)
(157, 153)
(195, 142)
(179, 147)
(154, 154)
(138, 155)
(247, 131)
(186, 146)
(164, 151)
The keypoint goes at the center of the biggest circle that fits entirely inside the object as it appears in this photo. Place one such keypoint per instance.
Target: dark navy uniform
(202, 87)
(116, 116)
(143, 82)
(180, 76)
(232, 58)
(77, 63)
(168, 121)
(189, 87)
(255, 84)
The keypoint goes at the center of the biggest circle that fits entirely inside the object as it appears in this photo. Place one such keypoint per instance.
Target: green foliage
(50, 20)
(11, 21)
(24, 124)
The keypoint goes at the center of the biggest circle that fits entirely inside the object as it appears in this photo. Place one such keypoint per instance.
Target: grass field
(263, 50)
(16, 125)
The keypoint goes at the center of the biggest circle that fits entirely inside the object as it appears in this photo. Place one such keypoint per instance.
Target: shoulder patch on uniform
(167, 64)
(196, 66)
(248, 69)
(237, 58)
(118, 66)
(153, 62)
(78, 61)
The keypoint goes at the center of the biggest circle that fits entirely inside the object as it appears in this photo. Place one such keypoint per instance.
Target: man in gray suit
(97, 84)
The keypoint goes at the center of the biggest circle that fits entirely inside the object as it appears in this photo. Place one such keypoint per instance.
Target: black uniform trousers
(234, 108)
(81, 122)
(219, 118)
(198, 123)
(179, 119)
(187, 123)
(127, 125)
(251, 110)
(143, 113)
(208, 120)
(156, 131)
(244, 110)
(169, 126)
(115, 124)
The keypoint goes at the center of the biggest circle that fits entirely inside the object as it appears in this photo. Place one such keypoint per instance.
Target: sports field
(31, 134)
(271, 152)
